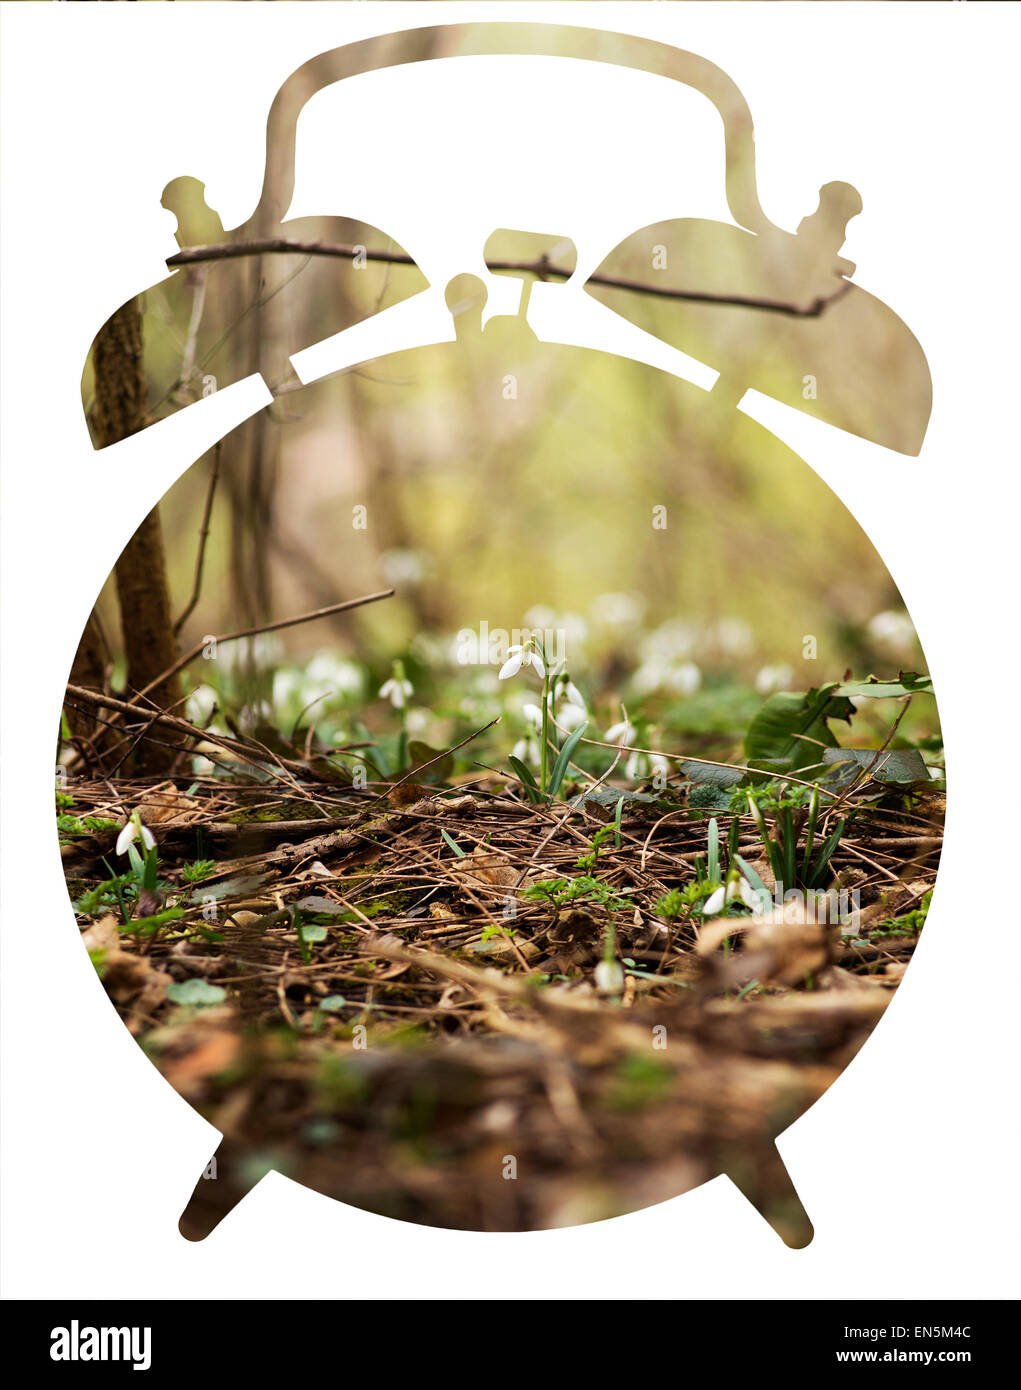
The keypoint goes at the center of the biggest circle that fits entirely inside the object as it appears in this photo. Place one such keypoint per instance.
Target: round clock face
(399, 974)
(499, 784)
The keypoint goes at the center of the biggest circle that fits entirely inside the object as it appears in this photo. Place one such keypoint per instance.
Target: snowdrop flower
(327, 673)
(609, 977)
(622, 734)
(396, 689)
(575, 630)
(540, 616)
(570, 716)
(533, 715)
(649, 676)
(201, 703)
(402, 567)
(670, 641)
(646, 765)
(570, 693)
(134, 830)
(419, 722)
(618, 610)
(737, 886)
(518, 656)
(526, 750)
(734, 636)
(683, 678)
(891, 629)
(772, 678)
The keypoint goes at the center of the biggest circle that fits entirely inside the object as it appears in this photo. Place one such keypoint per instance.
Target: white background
(908, 1166)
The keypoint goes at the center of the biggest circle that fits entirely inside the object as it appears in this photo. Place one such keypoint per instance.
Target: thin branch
(228, 251)
(198, 648)
(256, 756)
(207, 512)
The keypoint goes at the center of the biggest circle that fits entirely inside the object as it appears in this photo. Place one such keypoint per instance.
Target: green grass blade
(526, 779)
(713, 858)
(453, 844)
(818, 870)
(560, 766)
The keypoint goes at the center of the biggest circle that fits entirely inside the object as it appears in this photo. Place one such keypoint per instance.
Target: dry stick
(709, 762)
(887, 873)
(193, 255)
(199, 647)
(182, 726)
(207, 512)
(568, 812)
(421, 767)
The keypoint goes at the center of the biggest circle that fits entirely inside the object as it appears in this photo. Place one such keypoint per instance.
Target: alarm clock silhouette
(472, 469)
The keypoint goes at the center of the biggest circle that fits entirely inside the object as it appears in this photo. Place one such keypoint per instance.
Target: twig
(709, 762)
(421, 767)
(207, 512)
(199, 647)
(228, 251)
(256, 756)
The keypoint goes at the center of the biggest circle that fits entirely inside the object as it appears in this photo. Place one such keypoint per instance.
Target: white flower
(683, 678)
(541, 616)
(891, 629)
(402, 567)
(419, 721)
(772, 678)
(649, 676)
(518, 656)
(396, 690)
(570, 716)
(670, 641)
(622, 734)
(609, 977)
(533, 715)
(734, 636)
(327, 673)
(569, 693)
(133, 830)
(737, 886)
(200, 703)
(526, 750)
(618, 610)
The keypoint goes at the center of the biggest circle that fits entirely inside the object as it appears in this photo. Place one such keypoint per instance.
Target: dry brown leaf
(165, 805)
(127, 978)
(779, 950)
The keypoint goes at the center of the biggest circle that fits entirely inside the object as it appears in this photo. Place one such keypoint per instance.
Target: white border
(907, 1166)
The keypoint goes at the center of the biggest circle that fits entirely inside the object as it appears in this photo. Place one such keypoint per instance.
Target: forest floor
(391, 995)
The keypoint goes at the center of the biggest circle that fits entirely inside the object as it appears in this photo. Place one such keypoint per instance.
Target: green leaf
(453, 844)
(315, 902)
(564, 757)
(898, 766)
(198, 993)
(228, 888)
(788, 729)
(710, 774)
(332, 1004)
(421, 753)
(609, 798)
(817, 872)
(908, 683)
(751, 876)
(526, 779)
(713, 857)
(312, 931)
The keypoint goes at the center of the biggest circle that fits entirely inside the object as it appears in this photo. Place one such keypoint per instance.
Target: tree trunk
(143, 594)
(88, 669)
